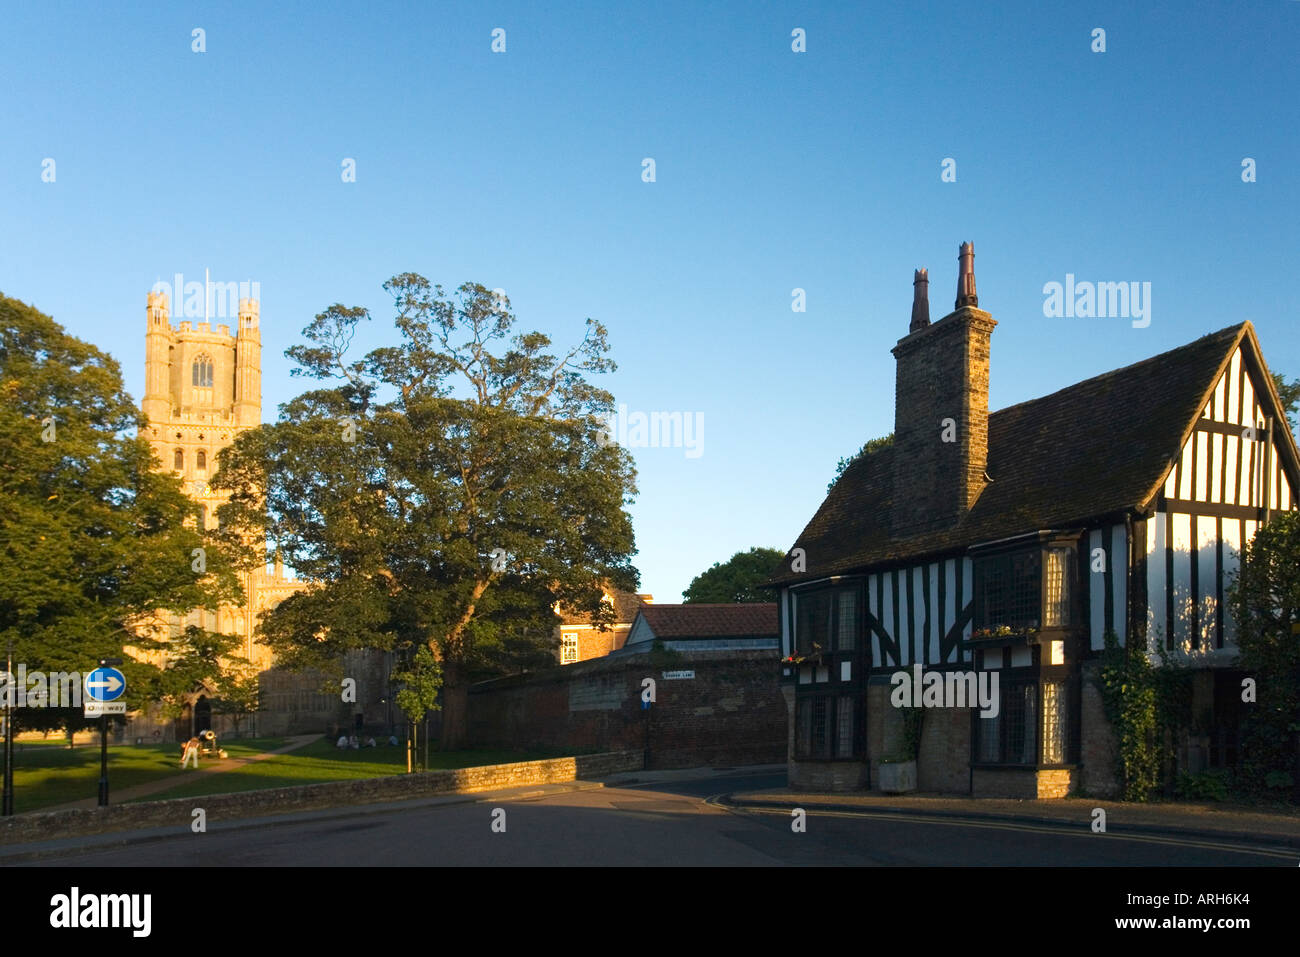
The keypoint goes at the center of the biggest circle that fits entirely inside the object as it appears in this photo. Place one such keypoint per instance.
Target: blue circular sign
(105, 684)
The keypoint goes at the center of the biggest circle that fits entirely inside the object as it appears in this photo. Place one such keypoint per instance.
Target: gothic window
(201, 460)
(201, 372)
(179, 462)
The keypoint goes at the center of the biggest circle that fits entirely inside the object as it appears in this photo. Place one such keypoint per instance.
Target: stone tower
(203, 386)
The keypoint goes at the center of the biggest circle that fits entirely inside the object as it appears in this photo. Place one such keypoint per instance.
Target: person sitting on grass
(343, 741)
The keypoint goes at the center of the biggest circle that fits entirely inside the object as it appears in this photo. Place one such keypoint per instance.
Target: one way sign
(105, 684)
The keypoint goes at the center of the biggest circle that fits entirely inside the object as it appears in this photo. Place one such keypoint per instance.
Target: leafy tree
(238, 692)
(1290, 393)
(1265, 599)
(438, 492)
(870, 446)
(94, 536)
(737, 579)
(420, 680)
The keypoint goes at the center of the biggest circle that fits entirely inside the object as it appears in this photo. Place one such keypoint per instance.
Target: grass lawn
(322, 761)
(46, 774)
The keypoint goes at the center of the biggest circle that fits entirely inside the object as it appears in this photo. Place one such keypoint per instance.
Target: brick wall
(1023, 783)
(942, 372)
(731, 713)
(944, 761)
(1097, 747)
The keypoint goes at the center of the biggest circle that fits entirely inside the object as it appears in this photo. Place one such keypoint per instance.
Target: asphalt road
(659, 824)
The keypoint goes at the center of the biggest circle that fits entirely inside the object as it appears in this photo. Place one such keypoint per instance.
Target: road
(659, 824)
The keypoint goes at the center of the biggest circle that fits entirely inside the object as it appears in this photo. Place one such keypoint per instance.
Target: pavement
(208, 766)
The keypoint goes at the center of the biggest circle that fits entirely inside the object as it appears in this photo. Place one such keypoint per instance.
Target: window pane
(1029, 726)
(844, 729)
(812, 626)
(1015, 705)
(803, 727)
(1058, 576)
(1007, 590)
(820, 729)
(848, 626)
(989, 731)
(1055, 723)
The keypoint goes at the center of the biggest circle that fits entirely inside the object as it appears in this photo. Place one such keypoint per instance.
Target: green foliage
(1290, 395)
(1149, 709)
(1128, 690)
(448, 490)
(1212, 785)
(1277, 779)
(737, 579)
(93, 540)
(238, 691)
(421, 680)
(870, 446)
(913, 722)
(1265, 599)
(661, 657)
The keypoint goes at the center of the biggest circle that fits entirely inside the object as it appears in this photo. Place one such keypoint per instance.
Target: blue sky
(774, 170)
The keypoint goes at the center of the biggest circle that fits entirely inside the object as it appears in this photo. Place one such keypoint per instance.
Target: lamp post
(103, 741)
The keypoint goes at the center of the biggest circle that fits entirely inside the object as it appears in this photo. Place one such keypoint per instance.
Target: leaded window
(1008, 590)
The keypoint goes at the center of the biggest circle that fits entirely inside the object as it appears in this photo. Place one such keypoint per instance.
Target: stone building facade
(203, 387)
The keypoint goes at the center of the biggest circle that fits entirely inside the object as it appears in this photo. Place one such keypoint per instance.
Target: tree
(737, 579)
(420, 680)
(870, 446)
(1290, 394)
(437, 492)
(94, 536)
(1265, 597)
(238, 692)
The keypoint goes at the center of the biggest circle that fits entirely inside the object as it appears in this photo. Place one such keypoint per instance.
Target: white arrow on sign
(109, 684)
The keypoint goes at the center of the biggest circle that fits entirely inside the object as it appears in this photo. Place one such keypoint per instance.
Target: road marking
(1281, 853)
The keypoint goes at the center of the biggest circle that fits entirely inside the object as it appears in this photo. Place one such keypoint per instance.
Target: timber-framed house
(1015, 542)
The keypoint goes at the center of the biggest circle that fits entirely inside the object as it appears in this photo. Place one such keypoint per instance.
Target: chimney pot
(966, 276)
(920, 300)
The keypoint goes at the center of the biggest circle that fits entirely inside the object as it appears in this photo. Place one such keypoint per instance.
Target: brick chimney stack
(966, 277)
(920, 300)
(941, 410)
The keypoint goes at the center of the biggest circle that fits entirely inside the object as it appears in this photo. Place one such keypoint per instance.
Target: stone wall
(729, 713)
(50, 825)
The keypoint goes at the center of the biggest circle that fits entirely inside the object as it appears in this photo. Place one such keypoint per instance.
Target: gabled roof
(1101, 447)
(739, 620)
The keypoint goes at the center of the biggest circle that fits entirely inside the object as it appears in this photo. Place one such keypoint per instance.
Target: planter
(898, 777)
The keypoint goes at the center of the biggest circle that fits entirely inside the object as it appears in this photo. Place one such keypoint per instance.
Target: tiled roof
(738, 620)
(1100, 447)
